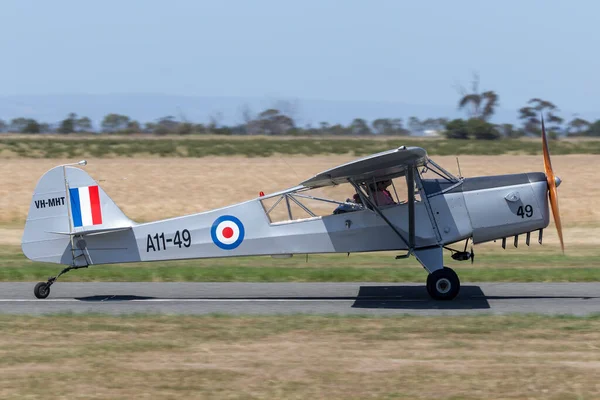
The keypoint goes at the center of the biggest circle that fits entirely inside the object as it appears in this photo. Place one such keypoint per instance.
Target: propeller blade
(556, 215)
(553, 193)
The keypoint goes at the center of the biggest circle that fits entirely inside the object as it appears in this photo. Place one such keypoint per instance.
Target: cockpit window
(436, 172)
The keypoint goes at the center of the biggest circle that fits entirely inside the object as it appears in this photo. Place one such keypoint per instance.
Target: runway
(291, 298)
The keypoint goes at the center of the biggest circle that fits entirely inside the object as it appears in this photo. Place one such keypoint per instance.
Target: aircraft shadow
(391, 297)
(416, 298)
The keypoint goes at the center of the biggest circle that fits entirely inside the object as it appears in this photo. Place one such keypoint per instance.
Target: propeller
(553, 182)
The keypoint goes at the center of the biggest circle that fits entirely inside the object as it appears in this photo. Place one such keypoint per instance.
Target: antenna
(458, 163)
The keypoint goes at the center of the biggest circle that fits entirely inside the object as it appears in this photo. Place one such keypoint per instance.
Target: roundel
(227, 232)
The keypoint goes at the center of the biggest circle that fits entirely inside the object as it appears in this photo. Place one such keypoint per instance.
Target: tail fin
(67, 202)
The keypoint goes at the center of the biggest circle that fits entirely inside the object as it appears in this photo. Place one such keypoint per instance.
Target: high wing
(385, 165)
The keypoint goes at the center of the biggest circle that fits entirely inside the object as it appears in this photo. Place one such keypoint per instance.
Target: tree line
(268, 122)
(479, 106)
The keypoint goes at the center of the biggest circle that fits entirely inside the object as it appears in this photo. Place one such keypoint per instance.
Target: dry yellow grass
(299, 357)
(155, 188)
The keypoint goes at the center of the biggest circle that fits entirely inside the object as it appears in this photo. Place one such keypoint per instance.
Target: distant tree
(133, 127)
(271, 122)
(18, 124)
(166, 125)
(226, 130)
(457, 129)
(388, 126)
(509, 131)
(577, 126)
(414, 125)
(113, 123)
(480, 105)
(324, 128)
(2, 126)
(83, 124)
(382, 126)
(31, 126)
(338, 130)
(480, 129)
(185, 128)
(359, 126)
(530, 115)
(201, 129)
(239, 129)
(214, 121)
(398, 127)
(594, 129)
(45, 127)
(67, 125)
(149, 127)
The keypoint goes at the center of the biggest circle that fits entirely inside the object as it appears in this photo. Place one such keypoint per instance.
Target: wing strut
(410, 180)
(387, 221)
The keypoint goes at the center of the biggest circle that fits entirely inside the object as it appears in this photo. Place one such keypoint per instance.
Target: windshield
(435, 169)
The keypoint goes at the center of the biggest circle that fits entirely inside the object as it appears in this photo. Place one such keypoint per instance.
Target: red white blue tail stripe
(85, 206)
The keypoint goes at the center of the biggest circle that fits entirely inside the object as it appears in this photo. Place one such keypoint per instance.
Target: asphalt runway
(292, 298)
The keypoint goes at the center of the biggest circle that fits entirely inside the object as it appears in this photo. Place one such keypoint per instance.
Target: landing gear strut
(42, 289)
(443, 284)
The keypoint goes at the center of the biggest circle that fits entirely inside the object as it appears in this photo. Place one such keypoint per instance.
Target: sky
(415, 52)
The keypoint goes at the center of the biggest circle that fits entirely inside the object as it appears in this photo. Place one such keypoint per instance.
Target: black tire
(41, 290)
(443, 284)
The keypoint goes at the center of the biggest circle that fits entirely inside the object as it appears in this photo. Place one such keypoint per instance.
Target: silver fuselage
(484, 208)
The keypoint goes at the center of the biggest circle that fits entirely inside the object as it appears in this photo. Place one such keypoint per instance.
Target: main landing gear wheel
(443, 284)
(41, 290)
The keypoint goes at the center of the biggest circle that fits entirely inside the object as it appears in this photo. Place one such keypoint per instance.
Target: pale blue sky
(386, 50)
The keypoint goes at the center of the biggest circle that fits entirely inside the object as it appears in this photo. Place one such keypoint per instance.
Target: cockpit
(379, 184)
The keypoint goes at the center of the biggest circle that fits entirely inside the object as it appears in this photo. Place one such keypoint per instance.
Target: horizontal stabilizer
(92, 231)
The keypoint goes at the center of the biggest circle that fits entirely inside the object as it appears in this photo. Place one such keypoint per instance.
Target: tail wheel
(443, 284)
(41, 290)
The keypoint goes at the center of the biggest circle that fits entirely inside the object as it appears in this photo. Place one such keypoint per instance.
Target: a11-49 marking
(159, 242)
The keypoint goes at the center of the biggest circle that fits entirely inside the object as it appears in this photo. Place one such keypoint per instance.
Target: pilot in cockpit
(380, 195)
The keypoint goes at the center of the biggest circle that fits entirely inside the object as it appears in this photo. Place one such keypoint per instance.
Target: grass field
(44, 146)
(300, 357)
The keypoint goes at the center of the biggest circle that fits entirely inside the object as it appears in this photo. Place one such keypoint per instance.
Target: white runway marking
(108, 299)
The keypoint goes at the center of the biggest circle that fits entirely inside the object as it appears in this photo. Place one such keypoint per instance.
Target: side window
(312, 203)
(399, 189)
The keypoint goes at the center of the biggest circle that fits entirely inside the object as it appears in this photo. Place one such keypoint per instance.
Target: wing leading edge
(385, 165)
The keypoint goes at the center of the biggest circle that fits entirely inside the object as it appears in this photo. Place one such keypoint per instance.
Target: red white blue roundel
(227, 232)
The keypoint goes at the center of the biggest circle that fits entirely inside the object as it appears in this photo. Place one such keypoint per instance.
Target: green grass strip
(285, 274)
(66, 147)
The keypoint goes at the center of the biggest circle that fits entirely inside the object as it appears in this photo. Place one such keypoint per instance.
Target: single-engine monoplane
(72, 221)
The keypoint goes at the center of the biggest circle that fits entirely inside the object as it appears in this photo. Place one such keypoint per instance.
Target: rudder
(66, 203)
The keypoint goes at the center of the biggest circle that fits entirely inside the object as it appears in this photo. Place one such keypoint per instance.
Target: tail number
(526, 211)
(159, 241)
